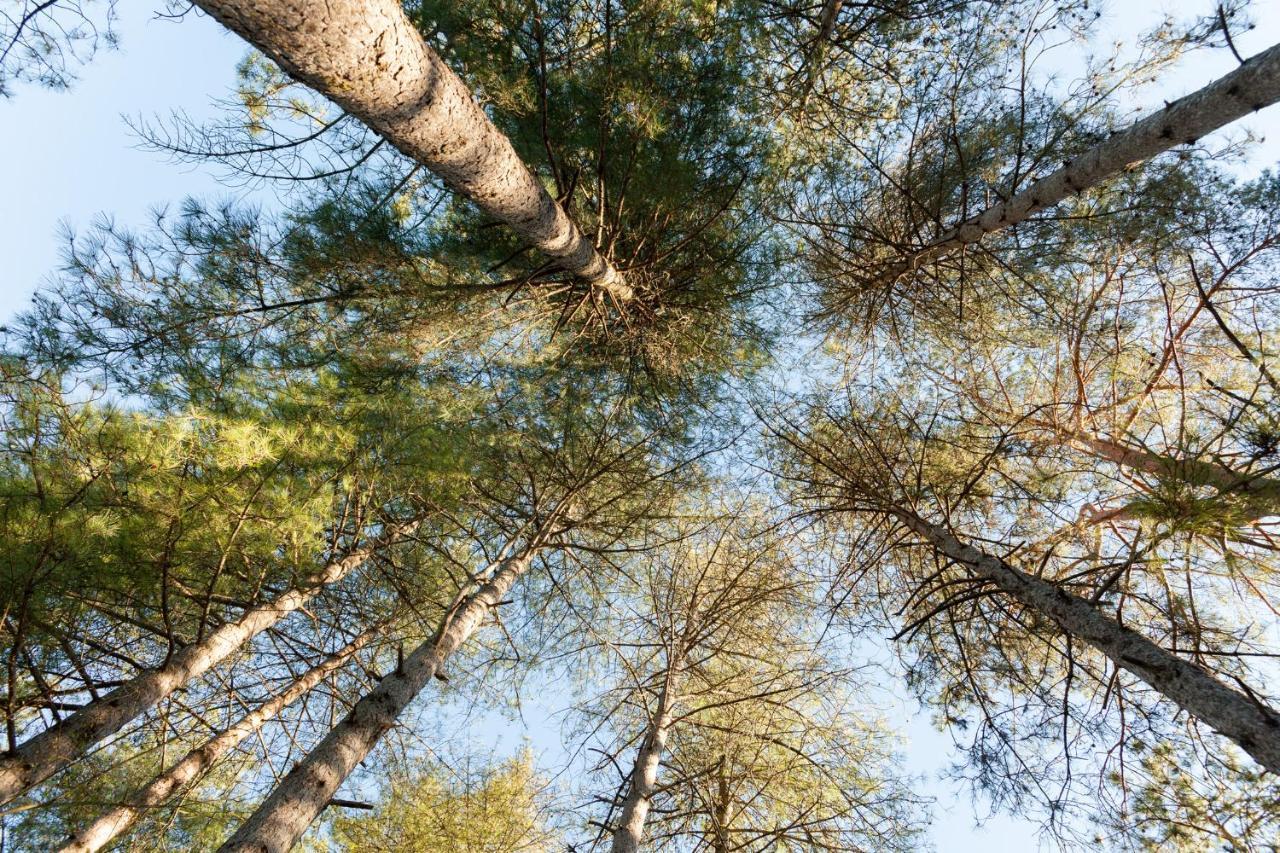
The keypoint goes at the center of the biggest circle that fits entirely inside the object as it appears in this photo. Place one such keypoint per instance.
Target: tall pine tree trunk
(40, 757)
(1249, 88)
(198, 762)
(644, 772)
(814, 57)
(1252, 725)
(367, 57)
(285, 815)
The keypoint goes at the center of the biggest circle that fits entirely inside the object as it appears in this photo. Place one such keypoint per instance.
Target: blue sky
(66, 157)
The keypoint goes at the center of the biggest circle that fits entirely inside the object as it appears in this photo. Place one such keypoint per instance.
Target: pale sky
(66, 157)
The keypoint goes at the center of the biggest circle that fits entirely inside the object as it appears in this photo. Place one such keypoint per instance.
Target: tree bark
(366, 56)
(644, 773)
(720, 843)
(827, 20)
(1249, 88)
(1194, 471)
(1259, 496)
(285, 815)
(196, 763)
(814, 56)
(1233, 714)
(40, 757)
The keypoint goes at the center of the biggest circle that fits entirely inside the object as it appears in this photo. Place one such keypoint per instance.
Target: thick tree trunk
(285, 815)
(644, 774)
(1252, 86)
(40, 757)
(198, 762)
(1254, 726)
(367, 57)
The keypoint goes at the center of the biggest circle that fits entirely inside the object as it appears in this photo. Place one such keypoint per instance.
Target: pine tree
(463, 415)
(728, 728)
(497, 808)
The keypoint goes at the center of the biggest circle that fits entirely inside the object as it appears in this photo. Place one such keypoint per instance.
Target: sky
(67, 157)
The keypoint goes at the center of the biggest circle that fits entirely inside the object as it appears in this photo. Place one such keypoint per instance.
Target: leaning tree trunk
(1252, 86)
(644, 773)
(285, 815)
(1243, 718)
(1257, 496)
(40, 757)
(1200, 472)
(367, 57)
(198, 762)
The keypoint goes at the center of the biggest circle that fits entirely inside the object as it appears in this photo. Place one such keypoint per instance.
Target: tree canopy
(714, 383)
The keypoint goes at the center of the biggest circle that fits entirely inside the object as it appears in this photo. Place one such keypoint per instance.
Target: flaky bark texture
(40, 757)
(1252, 86)
(367, 57)
(285, 815)
(196, 763)
(644, 775)
(1244, 719)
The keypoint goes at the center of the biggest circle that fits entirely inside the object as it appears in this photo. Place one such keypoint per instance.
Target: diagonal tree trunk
(285, 815)
(1259, 496)
(40, 757)
(198, 762)
(1249, 88)
(367, 57)
(1233, 714)
(1195, 471)
(644, 773)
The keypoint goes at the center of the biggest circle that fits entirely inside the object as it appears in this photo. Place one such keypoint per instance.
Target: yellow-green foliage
(499, 809)
(101, 503)
(1185, 803)
(98, 497)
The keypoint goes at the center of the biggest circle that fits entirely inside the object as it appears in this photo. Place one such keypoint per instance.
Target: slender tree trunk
(720, 843)
(827, 20)
(1243, 718)
(198, 762)
(1249, 88)
(1194, 471)
(40, 757)
(285, 815)
(367, 57)
(644, 773)
(1259, 496)
(814, 57)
